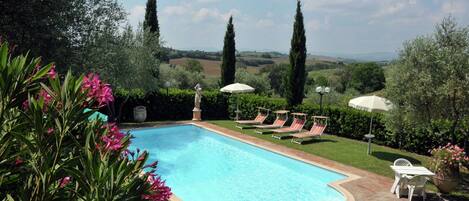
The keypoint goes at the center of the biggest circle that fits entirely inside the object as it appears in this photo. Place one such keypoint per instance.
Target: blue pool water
(200, 165)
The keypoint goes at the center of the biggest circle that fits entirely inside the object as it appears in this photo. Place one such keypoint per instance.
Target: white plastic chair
(415, 186)
(397, 177)
(402, 162)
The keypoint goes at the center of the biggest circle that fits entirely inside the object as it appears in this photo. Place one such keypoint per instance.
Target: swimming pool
(199, 164)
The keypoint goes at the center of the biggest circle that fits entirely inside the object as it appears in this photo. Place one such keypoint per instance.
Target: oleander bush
(50, 149)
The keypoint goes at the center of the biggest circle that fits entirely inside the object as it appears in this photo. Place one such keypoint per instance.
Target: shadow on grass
(314, 141)
(447, 197)
(391, 157)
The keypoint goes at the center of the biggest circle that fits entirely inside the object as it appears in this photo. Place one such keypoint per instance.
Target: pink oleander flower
(151, 165)
(448, 157)
(47, 97)
(64, 181)
(141, 157)
(113, 138)
(18, 161)
(100, 92)
(25, 105)
(158, 190)
(52, 74)
(50, 131)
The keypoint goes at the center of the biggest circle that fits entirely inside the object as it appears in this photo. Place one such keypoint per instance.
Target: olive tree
(430, 80)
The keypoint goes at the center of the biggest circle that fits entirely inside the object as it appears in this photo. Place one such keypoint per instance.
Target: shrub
(180, 78)
(193, 65)
(448, 159)
(260, 82)
(366, 77)
(175, 105)
(276, 75)
(49, 148)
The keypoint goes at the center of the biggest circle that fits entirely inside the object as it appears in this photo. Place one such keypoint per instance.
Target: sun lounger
(297, 125)
(282, 118)
(320, 124)
(260, 118)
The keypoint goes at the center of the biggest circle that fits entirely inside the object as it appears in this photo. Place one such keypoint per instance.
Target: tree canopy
(151, 18)
(296, 76)
(363, 77)
(228, 66)
(430, 81)
(58, 30)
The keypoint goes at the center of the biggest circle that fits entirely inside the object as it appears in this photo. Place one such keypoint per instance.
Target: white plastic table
(408, 170)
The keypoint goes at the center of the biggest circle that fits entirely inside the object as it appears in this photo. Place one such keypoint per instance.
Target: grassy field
(325, 72)
(211, 67)
(353, 153)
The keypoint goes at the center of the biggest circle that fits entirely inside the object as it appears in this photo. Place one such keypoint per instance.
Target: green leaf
(3, 55)
(42, 72)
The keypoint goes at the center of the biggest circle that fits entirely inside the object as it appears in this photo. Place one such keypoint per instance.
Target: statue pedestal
(196, 114)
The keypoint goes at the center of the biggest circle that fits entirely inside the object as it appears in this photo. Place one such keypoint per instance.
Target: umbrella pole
(237, 108)
(369, 137)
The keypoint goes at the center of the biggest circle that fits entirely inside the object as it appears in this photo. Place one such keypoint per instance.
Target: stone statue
(198, 96)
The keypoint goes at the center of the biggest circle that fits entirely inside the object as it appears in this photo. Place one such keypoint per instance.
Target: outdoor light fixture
(167, 84)
(321, 91)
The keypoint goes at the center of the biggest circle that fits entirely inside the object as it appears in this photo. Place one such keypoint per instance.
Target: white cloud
(265, 23)
(136, 15)
(454, 7)
(390, 9)
(207, 1)
(325, 4)
(398, 12)
(345, 25)
(205, 14)
(313, 25)
(177, 9)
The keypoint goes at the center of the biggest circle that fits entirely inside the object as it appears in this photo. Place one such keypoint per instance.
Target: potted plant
(445, 162)
(140, 114)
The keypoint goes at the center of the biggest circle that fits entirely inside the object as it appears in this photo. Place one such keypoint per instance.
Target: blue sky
(332, 26)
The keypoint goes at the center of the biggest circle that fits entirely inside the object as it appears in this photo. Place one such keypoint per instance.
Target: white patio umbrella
(237, 88)
(370, 104)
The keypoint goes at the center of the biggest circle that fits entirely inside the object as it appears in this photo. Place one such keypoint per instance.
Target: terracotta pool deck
(360, 185)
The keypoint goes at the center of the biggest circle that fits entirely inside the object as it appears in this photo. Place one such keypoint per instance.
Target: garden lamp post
(321, 91)
(167, 84)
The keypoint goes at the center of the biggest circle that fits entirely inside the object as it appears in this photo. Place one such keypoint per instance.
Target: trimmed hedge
(351, 123)
(344, 121)
(174, 105)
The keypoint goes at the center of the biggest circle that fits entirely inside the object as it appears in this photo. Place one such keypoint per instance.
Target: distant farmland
(211, 67)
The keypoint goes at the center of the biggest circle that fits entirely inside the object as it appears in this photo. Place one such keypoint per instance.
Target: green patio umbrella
(97, 115)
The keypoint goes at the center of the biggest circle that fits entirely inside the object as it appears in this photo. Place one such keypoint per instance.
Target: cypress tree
(296, 76)
(228, 66)
(151, 18)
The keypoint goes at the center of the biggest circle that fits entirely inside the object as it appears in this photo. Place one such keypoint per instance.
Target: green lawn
(343, 150)
(350, 152)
